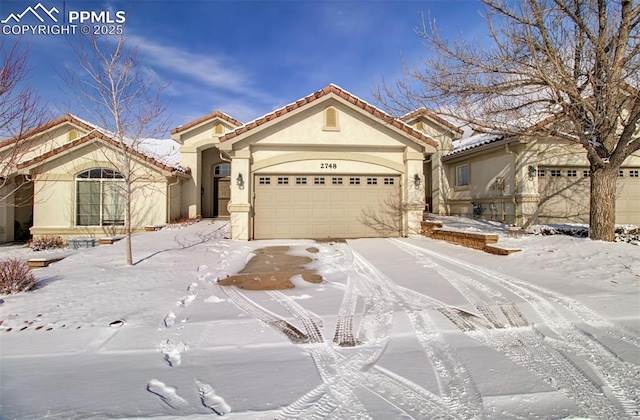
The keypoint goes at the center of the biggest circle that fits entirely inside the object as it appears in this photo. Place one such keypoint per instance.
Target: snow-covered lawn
(399, 328)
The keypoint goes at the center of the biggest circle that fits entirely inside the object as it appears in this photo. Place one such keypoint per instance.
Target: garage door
(628, 197)
(320, 206)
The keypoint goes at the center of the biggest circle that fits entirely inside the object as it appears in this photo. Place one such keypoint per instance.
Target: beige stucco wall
(300, 144)
(537, 199)
(491, 185)
(55, 188)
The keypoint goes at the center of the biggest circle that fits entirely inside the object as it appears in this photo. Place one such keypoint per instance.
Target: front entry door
(221, 196)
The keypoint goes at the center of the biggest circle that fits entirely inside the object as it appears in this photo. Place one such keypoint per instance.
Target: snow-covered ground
(399, 328)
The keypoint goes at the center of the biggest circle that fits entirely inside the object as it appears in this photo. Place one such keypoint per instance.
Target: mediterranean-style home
(329, 165)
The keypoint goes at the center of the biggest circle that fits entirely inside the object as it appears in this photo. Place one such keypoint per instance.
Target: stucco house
(329, 165)
(63, 179)
(528, 181)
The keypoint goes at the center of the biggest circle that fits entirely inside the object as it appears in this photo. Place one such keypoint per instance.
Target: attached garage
(565, 192)
(327, 166)
(321, 206)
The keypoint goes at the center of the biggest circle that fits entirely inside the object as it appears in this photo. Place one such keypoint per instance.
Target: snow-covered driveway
(400, 328)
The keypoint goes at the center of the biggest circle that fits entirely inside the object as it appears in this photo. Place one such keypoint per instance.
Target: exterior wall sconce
(532, 171)
(240, 181)
(416, 180)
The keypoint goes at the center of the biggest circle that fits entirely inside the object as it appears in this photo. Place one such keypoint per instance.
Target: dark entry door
(221, 196)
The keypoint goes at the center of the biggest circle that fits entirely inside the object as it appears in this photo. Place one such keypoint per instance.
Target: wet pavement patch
(272, 269)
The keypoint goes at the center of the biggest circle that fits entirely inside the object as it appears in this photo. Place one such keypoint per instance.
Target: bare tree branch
(565, 69)
(124, 99)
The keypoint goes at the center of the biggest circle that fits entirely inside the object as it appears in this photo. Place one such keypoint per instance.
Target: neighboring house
(329, 165)
(64, 180)
(526, 181)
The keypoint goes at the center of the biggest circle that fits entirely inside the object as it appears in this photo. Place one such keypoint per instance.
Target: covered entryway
(323, 206)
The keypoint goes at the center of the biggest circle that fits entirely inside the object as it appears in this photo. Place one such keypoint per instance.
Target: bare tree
(562, 69)
(20, 111)
(124, 99)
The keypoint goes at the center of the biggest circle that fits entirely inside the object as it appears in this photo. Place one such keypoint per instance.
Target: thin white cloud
(213, 71)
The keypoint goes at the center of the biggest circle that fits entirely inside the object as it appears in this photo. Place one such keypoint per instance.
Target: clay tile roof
(430, 114)
(94, 134)
(204, 118)
(48, 125)
(336, 90)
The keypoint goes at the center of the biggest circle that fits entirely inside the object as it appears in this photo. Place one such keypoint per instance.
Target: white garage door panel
(322, 210)
(628, 198)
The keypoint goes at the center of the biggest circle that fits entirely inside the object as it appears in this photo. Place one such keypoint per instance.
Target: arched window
(330, 119)
(100, 198)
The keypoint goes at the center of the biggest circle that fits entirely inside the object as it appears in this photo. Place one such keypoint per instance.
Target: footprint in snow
(211, 400)
(204, 277)
(186, 301)
(169, 320)
(193, 288)
(172, 352)
(167, 394)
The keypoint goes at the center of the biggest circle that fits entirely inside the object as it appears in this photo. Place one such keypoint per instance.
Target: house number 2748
(328, 166)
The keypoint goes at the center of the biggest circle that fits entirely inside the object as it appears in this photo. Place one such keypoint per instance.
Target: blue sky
(248, 58)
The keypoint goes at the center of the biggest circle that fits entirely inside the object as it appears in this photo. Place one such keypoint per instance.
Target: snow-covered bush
(46, 242)
(15, 277)
(629, 234)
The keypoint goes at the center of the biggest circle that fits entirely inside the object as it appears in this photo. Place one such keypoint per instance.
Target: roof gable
(205, 119)
(430, 115)
(50, 125)
(94, 134)
(329, 91)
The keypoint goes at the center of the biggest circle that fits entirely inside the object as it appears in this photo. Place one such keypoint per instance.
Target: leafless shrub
(46, 242)
(15, 277)
(182, 222)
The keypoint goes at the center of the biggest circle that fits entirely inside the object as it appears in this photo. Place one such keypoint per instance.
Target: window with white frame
(100, 199)
(462, 176)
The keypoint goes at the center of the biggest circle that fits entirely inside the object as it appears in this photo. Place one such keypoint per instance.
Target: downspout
(515, 182)
(169, 197)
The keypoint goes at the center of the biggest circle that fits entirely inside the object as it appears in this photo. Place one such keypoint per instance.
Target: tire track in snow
(449, 406)
(358, 367)
(339, 393)
(537, 353)
(284, 327)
